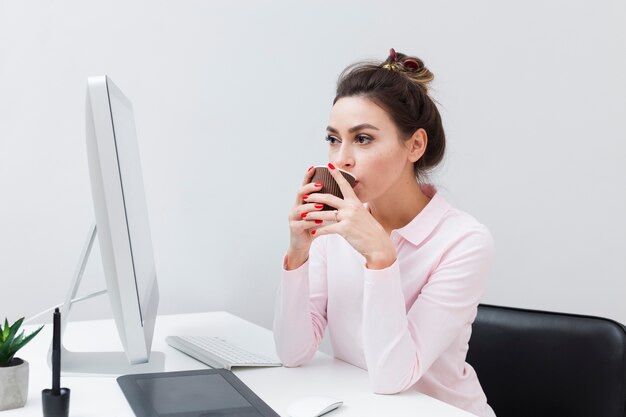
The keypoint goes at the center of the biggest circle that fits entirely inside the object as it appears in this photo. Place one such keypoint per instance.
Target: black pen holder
(55, 405)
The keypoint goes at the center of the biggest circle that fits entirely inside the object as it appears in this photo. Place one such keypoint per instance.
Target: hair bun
(417, 72)
(412, 67)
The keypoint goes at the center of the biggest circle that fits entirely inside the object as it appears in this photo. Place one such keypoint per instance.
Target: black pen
(56, 353)
(56, 401)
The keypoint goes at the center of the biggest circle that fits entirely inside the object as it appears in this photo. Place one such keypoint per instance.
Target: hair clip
(393, 55)
(411, 64)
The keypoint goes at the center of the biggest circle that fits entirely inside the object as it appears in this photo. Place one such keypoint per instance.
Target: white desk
(278, 387)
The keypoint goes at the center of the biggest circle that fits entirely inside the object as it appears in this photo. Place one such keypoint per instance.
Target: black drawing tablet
(202, 393)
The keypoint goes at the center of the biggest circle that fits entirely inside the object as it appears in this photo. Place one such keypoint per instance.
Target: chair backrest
(537, 363)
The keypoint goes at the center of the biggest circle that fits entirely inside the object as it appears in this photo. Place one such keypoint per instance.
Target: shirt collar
(427, 220)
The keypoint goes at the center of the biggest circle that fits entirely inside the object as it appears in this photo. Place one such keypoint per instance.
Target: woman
(394, 271)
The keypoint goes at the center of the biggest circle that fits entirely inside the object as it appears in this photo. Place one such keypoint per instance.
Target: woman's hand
(300, 224)
(352, 221)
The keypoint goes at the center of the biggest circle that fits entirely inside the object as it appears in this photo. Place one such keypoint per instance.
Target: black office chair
(542, 364)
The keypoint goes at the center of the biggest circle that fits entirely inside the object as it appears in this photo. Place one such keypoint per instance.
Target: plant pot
(13, 384)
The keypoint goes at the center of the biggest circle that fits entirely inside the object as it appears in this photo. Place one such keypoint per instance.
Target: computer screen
(123, 231)
(121, 215)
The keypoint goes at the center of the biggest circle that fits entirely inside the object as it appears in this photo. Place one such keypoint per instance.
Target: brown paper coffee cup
(330, 186)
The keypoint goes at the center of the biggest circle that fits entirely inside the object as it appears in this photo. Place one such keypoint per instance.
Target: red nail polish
(331, 166)
(319, 221)
(313, 232)
(303, 215)
(319, 206)
(318, 184)
(304, 197)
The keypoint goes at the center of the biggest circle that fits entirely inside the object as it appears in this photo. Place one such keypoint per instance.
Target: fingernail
(311, 168)
(319, 221)
(313, 232)
(303, 215)
(304, 197)
(318, 184)
(319, 206)
(331, 166)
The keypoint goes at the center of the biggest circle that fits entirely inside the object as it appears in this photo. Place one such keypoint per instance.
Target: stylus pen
(56, 353)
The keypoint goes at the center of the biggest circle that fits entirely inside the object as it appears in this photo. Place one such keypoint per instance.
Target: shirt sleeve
(400, 342)
(300, 311)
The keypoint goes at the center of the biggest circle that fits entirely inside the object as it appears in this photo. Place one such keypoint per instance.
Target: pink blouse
(409, 324)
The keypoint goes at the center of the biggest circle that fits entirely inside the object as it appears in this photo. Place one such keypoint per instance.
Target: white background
(231, 100)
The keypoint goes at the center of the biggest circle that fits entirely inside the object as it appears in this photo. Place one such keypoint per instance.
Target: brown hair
(400, 86)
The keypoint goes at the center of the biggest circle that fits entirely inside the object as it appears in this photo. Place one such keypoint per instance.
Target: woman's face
(364, 141)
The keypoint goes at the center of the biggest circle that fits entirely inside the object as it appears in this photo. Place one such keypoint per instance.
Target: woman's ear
(417, 145)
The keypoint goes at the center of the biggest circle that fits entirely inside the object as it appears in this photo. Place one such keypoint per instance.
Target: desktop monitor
(123, 233)
(121, 215)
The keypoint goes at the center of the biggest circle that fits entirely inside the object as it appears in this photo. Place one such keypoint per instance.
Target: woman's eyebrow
(354, 128)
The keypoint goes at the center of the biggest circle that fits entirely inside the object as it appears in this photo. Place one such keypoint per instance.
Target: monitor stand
(109, 364)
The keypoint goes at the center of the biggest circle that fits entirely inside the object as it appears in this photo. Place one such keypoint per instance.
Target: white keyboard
(218, 353)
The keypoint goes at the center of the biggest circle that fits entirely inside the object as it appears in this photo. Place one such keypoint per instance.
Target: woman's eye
(331, 140)
(363, 139)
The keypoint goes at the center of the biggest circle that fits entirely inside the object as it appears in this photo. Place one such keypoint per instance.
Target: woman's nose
(345, 157)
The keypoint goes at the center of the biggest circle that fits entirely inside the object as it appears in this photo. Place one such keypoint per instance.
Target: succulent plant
(10, 343)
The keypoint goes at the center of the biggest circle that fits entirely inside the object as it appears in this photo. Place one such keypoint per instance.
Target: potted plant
(13, 371)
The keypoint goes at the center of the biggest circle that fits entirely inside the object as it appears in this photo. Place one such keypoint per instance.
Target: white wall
(231, 100)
